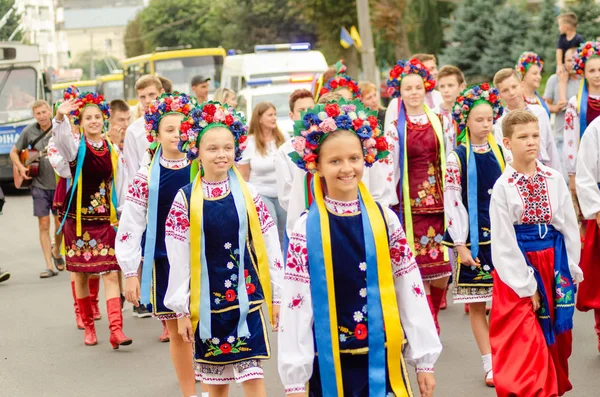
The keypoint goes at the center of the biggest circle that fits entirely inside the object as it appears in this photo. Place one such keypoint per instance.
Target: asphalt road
(42, 352)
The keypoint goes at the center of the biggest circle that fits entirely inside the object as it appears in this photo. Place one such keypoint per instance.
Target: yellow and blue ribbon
(543, 103)
(582, 106)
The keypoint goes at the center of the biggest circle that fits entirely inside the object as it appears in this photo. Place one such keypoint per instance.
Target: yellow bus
(82, 86)
(110, 86)
(179, 66)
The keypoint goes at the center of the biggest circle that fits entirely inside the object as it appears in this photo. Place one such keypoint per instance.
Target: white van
(271, 74)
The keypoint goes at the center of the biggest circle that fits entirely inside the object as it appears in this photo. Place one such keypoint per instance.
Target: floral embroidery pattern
(429, 244)
(98, 202)
(232, 345)
(536, 202)
(177, 223)
(138, 190)
(297, 258)
(215, 189)
(266, 221)
(296, 302)
(563, 283)
(88, 248)
(417, 290)
(124, 237)
(360, 331)
(231, 283)
(428, 191)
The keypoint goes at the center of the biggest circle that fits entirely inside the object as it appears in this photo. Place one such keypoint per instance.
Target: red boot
(597, 325)
(85, 309)
(76, 307)
(444, 304)
(164, 337)
(115, 321)
(436, 300)
(94, 283)
(433, 313)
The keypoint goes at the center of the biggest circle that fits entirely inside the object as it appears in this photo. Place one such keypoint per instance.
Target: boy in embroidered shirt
(450, 83)
(532, 218)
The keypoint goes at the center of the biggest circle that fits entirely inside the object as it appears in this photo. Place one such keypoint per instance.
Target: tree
(100, 67)
(134, 42)
(469, 35)
(544, 34)
(390, 27)
(588, 16)
(425, 32)
(12, 23)
(507, 42)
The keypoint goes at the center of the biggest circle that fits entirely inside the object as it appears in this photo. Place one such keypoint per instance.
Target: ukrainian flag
(346, 40)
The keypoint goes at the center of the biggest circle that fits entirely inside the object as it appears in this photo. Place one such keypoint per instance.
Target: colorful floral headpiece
(317, 122)
(90, 99)
(404, 68)
(586, 51)
(71, 92)
(173, 103)
(527, 59)
(206, 116)
(472, 96)
(341, 80)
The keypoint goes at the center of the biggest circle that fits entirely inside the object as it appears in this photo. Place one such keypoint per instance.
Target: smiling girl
(530, 67)
(89, 224)
(350, 272)
(225, 256)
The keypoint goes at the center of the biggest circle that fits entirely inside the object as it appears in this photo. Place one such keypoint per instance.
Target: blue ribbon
(150, 244)
(376, 335)
(543, 103)
(401, 125)
(472, 200)
(78, 168)
(583, 108)
(319, 292)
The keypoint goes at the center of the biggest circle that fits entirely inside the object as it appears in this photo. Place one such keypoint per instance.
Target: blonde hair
(39, 103)
(515, 118)
(366, 87)
(221, 94)
(569, 18)
(256, 130)
(504, 74)
(451, 70)
(425, 57)
(148, 80)
(330, 97)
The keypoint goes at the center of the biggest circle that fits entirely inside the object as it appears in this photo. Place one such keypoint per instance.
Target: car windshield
(17, 95)
(112, 90)
(281, 101)
(181, 71)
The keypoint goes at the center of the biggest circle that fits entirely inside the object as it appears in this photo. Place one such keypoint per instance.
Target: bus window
(112, 90)
(181, 71)
(17, 95)
(129, 78)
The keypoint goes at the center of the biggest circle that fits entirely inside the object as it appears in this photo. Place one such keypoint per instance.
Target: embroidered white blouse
(59, 164)
(572, 146)
(588, 171)
(542, 198)
(134, 217)
(548, 152)
(449, 126)
(177, 240)
(134, 147)
(295, 339)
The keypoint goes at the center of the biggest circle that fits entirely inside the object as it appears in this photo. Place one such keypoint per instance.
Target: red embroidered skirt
(588, 295)
(524, 365)
(429, 252)
(94, 250)
(59, 195)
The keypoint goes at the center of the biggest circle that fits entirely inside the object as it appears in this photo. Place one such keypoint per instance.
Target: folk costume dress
(582, 110)
(303, 367)
(63, 175)
(88, 228)
(141, 214)
(535, 233)
(233, 348)
(588, 192)
(471, 284)
(412, 183)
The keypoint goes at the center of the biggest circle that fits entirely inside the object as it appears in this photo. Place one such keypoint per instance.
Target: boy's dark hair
(515, 118)
(297, 95)
(451, 70)
(166, 84)
(568, 18)
(118, 105)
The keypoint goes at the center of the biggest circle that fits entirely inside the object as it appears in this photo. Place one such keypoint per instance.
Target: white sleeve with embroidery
(564, 220)
(512, 268)
(588, 172)
(285, 174)
(551, 149)
(456, 213)
(274, 253)
(132, 224)
(571, 136)
(177, 241)
(58, 163)
(295, 338)
(66, 143)
(382, 179)
(424, 346)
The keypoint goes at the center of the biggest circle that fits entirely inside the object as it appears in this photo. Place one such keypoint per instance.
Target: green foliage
(544, 35)
(100, 67)
(425, 33)
(12, 22)
(134, 42)
(507, 41)
(588, 15)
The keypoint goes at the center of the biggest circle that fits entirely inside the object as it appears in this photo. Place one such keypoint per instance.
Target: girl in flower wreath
(164, 171)
(411, 181)
(530, 67)
(350, 272)
(341, 83)
(90, 209)
(225, 256)
(471, 171)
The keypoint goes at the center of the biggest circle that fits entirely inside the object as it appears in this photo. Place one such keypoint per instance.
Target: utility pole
(368, 50)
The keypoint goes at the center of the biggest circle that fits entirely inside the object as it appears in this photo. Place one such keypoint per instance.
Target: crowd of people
(350, 230)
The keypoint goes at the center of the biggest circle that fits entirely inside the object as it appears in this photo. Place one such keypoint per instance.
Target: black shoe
(141, 312)
(122, 301)
(4, 276)
(1, 205)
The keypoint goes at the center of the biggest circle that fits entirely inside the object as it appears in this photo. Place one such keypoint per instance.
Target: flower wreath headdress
(404, 68)
(84, 99)
(469, 98)
(173, 103)
(341, 80)
(206, 116)
(586, 51)
(317, 122)
(71, 92)
(527, 59)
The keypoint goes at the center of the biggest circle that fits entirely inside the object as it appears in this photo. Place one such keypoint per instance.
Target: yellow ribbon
(579, 95)
(196, 222)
